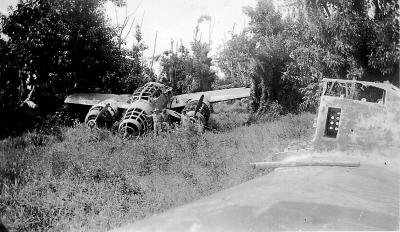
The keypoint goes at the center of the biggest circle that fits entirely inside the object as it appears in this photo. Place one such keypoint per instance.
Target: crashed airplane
(358, 115)
(347, 180)
(132, 113)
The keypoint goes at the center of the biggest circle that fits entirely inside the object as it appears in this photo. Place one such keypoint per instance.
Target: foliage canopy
(331, 39)
(189, 71)
(51, 48)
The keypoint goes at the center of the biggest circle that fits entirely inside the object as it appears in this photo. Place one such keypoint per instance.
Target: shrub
(229, 115)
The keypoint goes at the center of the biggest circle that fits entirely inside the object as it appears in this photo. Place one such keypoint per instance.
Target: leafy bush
(227, 116)
(272, 111)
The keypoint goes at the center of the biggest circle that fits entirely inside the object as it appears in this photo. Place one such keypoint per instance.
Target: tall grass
(83, 180)
(229, 115)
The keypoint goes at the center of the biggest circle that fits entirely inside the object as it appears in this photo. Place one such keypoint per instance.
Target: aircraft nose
(129, 129)
(91, 123)
(134, 123)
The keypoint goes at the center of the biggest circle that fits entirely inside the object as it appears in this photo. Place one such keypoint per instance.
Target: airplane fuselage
(132, 113)
(136, 119)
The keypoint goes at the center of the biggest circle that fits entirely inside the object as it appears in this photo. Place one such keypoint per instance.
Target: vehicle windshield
(355, 91)
(149, 90)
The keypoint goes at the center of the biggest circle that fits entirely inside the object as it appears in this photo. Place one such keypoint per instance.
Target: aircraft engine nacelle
(102, 114)
(204, 111)
(136, 120)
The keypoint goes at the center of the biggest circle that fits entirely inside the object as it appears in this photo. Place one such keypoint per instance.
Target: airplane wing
(294, 198)
(211, 96)
(91, 99)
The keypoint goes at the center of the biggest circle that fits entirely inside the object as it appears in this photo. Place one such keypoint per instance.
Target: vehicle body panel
(211, 96)
(91, 99)
(297, 198)
(362, 125)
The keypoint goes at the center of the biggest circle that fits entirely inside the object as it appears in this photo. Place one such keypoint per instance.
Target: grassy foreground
(82, 180)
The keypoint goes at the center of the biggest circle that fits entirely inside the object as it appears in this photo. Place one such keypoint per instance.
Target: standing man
(165, 121)
(157, 119)
(185, 121)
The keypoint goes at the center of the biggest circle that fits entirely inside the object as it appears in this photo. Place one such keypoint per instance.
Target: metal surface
(136, 120)
(296, 198)
(265, 165)
(210, 96)
(140, 105)
(102, 114)
(346, 121)
(91, 99)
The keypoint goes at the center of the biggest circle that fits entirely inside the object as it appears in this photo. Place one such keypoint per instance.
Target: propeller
(199, 104)
(102, 111)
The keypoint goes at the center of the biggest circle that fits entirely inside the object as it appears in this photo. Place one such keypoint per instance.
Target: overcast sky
(177, 19)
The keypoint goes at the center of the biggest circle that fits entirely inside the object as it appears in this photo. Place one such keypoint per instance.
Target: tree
(189, 72)
(202, 74)
(306, 66)
(344, 39)
(133, 70)
(235, 59)
(269, 57)
(54, 47)
(59, 45)
(258, 56)
(176, 68)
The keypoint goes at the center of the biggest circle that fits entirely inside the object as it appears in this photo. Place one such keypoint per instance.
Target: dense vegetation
(56, 178)
(52, 48)
(285, 58)
(82, 180)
